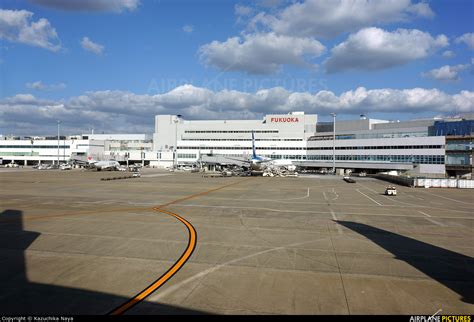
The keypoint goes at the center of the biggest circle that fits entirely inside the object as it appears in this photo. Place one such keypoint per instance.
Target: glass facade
(464, 145)
(385, 135)
(458, 159)
(417, 159)
(443, 128)
(33, 147)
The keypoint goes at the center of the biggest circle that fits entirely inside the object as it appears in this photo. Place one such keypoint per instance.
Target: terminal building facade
(440, 147)
(124, 148)
(420, 147)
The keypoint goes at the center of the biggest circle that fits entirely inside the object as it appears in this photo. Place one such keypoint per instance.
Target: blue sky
(112, 65)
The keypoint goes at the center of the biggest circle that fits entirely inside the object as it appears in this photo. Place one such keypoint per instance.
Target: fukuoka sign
(289, 119)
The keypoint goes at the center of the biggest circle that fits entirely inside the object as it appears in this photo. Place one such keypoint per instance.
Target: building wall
(169, 129)
(34, 151)
(118, 137)
(384, 144)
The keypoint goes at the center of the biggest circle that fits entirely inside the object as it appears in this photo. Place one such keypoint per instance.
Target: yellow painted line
(192, 240)
(169, 273)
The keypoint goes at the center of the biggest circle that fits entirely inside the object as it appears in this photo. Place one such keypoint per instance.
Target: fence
(427, 182)
(444, 183)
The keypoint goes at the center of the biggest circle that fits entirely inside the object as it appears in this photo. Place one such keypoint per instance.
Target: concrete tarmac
(73, 244)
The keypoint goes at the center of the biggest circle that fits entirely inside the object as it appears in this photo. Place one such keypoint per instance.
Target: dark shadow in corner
(20, 296)
(454, 270)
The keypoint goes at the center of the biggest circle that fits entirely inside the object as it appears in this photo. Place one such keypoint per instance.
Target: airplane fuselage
(106, 165)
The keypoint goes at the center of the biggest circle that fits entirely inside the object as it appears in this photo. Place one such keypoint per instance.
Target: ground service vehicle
(391, 191)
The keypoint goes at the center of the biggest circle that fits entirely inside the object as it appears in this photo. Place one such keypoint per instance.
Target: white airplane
(103, 165)
(288, 164)
(259, 163)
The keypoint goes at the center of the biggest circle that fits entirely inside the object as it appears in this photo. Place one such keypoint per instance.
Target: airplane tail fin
(254, 153)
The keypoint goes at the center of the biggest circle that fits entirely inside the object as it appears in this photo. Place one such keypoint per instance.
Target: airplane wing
(240, 160)
(264, 161)
(80, 162)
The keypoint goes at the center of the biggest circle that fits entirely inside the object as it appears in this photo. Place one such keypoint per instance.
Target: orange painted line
(192, 241)
(199, 194)
(166, 276)
(95, 211)
(86, 212)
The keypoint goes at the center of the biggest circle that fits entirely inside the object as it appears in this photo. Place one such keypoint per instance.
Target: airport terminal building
(420, 147)
(50, 150)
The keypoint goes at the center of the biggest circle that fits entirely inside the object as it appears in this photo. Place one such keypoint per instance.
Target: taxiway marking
(423, 213)
(457, 201)
(192, 240)
(202, 274)
(369, 197)
(428, 217)
(333, 214)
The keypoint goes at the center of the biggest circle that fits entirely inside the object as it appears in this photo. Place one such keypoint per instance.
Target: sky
(112, 65)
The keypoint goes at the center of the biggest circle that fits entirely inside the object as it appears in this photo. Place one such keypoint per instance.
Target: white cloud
(241, 10)
(269, 3)
(468, 39)
(116, 6)
(243, 13)
(260, 53)
(188, 29)
(329, 18)
(16, 26)
(40, 86)
(421, 9)
(446, 73)
(91, 46)
(375, 48)
(448, 54)
(118, 111)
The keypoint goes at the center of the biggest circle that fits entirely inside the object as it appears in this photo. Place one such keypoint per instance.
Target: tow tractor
(391, 191)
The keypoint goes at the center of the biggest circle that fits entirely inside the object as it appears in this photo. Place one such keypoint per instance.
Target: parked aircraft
(99, 165)
(105, 165)
(259, 163)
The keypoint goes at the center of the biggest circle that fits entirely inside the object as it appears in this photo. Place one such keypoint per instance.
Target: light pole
(175, 159)
(58, 142)
(333, 143)
(200, 158)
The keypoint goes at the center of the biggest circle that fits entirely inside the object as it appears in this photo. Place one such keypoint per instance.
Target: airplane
(259, 163)
(284, 163)
(105, 165)
(100, 165)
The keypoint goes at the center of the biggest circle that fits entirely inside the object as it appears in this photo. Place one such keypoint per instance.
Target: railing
(444, 183)
(427, 182)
